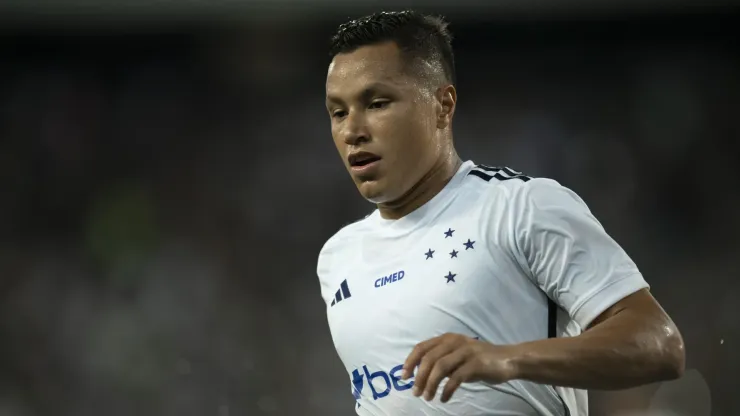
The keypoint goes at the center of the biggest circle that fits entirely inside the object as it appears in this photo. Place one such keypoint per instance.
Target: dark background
(167, 178)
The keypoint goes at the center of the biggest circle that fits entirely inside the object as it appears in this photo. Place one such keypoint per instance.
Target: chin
(374, 192)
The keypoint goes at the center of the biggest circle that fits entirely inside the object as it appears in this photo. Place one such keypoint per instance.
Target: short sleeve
(568, 253)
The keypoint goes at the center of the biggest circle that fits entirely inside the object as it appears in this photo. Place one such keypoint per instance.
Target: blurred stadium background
(167, 178)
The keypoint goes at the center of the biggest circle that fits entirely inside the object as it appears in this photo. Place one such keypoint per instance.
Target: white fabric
(479, 259)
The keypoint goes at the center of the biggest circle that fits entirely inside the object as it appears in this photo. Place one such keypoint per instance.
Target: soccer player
(470, 290)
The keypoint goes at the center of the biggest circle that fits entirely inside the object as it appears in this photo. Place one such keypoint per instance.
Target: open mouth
(361, 159)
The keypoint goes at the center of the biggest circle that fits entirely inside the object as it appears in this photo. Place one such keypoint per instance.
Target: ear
(447, 100)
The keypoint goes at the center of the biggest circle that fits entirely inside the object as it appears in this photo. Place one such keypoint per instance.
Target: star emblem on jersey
(456, 252)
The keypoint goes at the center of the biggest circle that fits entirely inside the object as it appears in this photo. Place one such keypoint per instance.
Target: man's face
(383, 121)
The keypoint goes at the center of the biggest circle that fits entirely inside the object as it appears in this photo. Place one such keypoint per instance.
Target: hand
(460, 359)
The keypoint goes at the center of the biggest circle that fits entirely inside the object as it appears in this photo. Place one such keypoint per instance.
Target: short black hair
(418, 36)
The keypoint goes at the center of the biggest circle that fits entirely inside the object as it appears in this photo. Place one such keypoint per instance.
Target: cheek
(338, 142)
(403, 127)
(415, 136)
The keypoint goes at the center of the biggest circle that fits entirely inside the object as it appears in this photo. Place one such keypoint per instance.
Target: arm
(629, 340)
(632, 343)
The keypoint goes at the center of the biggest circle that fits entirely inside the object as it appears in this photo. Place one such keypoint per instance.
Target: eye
(338, 113)
(378, 104)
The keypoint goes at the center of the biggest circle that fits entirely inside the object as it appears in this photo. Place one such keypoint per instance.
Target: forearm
(619, 353)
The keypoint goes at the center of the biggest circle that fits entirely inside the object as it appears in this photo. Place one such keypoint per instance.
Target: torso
(440, 270)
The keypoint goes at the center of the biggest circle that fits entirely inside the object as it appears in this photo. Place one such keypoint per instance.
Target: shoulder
(344, 239)
(511, 189)
(348, 234)
(516, 203)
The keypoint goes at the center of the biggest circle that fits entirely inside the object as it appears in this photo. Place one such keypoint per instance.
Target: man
(471, 290)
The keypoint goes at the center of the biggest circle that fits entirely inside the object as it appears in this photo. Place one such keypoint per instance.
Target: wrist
(521, 359)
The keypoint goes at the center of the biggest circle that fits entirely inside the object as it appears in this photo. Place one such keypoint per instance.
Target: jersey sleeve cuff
(604, 298)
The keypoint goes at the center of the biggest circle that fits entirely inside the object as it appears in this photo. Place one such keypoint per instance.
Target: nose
(356, 129)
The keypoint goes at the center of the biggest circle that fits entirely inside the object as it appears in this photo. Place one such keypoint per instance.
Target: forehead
(373, 64)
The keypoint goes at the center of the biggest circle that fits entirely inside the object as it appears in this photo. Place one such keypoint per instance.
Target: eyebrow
(365, 94)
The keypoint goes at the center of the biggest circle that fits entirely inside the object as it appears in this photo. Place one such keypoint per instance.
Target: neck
(427, 188)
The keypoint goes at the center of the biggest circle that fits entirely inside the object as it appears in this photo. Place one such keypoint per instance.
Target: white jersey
(483, 258)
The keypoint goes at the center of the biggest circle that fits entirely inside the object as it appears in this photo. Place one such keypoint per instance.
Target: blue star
(429, 254)
(469, 244)
(450, 277)
(449, 232)
(453, 255)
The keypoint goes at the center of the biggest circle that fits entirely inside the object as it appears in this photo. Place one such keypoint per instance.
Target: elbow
(672, 353)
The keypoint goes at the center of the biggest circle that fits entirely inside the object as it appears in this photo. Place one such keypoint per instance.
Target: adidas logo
(342, 293)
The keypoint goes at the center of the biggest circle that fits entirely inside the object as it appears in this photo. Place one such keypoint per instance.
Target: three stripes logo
(342, 293)
(501, 173)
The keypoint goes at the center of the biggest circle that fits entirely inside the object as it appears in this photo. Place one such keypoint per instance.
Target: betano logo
(391, 380)
(380, 382)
